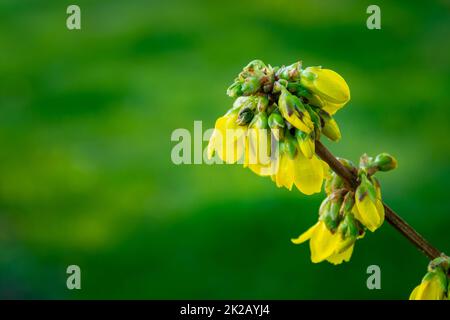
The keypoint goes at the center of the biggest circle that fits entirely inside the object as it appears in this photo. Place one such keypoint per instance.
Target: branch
(393, 218)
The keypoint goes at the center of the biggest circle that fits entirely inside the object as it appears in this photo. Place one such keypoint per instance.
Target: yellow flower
(369, 209)
(325, 245)
(432, 287)
(306, 174)
(258, 157)
(228, 138)
(329, 89)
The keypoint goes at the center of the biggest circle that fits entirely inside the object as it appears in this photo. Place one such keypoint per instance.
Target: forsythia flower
(227, 138)
(434, 285)
(329, 89)
(369, 208)
(325, 245)
(333, 237)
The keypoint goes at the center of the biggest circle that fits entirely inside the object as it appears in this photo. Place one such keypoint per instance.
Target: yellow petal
(329, 85)
(431, 290)
(339, 257)
(305, 235)
(367, 213)
(415, 292)
(332, 108)
(285, 174)
(305, 124)
(323, 243)
(308, 174)
(307, 147)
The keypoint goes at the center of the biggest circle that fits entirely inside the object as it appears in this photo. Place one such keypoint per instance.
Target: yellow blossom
(329, 90)
(325, 245)
(432, 287)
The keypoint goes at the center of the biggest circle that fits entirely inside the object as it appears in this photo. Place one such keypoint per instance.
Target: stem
(393, 218)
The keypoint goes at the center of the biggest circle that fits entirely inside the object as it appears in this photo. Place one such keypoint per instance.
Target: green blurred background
(86, 176)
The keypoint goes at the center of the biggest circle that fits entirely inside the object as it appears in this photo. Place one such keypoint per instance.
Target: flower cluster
(277, 115)
(345, 213)
(435, 284)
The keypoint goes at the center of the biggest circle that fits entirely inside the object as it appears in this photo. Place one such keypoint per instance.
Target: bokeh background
(86, 118)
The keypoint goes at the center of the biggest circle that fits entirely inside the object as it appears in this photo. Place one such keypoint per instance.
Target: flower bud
(235, 90)
(241, 102)
(330, 127)
(369, 208)
(251, 85)
(255, 65)
(290, 145)
(260, 121)
(294, 111)
(333, 183)
(291, 73)
(263, 103)
(347, 204)
(306, 143)
(276, 123)
(279, 85)
(385, 162)
(245, 116)
(349, 227)
(325, 83)
(331, 216)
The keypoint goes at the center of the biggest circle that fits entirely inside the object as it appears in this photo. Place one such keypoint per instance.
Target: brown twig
(393, 218)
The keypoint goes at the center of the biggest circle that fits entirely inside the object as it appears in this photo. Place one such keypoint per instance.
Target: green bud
(347, 204)
(263, 103)
(290, 145)
(245, 116)
(439, 275)
(331, 217)
(333, 183)
(306, 143)
(260, 121)
(366, 188)
(276, 123)
(276, 120)
(235, 90)
(291, 73)
(251, 85)
(255, 65)
(324, 207)
(330, 127)
(385, 162)
(241, 102)
(365, 162)
(279, 85)
(315, 118)
(349, 227)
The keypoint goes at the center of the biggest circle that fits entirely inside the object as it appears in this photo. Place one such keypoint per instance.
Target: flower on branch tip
(329, 90)
(274, 123)
(435, 284)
